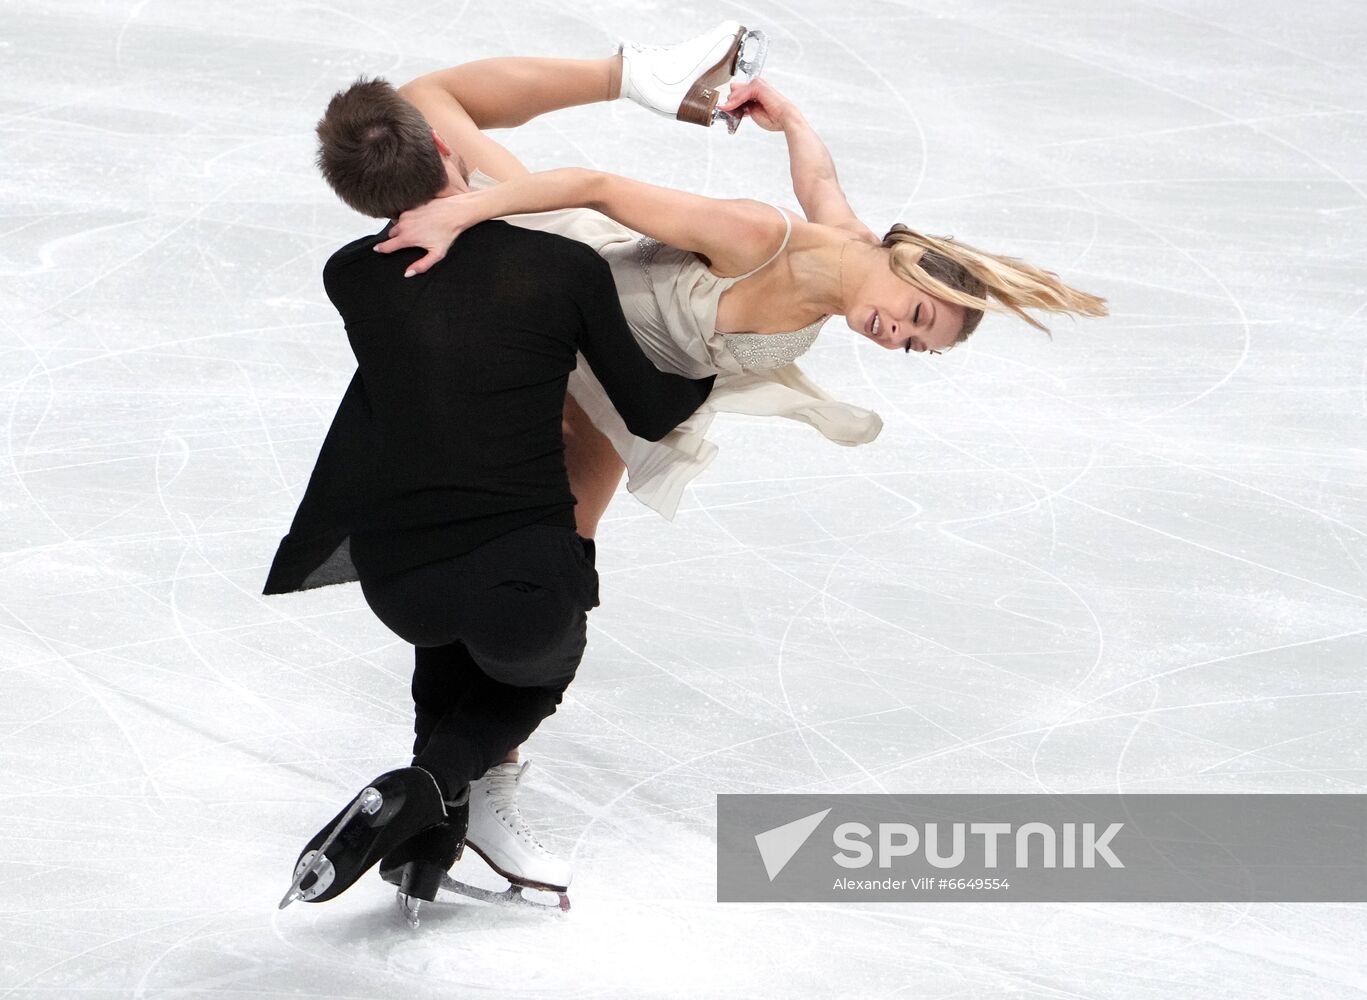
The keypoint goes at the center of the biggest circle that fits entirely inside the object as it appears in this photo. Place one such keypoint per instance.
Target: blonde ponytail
(980, 281)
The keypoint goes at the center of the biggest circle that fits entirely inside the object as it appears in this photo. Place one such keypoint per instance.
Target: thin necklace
(842, 271)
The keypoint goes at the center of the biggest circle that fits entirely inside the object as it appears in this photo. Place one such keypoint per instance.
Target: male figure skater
(442, 487)
(666, 80)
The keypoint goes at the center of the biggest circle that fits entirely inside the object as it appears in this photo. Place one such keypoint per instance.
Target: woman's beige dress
(669, 298)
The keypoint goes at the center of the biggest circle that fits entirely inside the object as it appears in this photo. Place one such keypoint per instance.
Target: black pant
(499, 634)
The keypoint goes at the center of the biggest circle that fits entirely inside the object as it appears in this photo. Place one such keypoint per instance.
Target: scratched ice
(1130, 558)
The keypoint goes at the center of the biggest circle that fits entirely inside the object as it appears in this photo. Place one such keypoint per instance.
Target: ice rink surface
(1132, 558)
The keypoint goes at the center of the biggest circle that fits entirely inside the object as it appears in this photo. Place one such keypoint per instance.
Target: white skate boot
(500, 835)
(684, 81)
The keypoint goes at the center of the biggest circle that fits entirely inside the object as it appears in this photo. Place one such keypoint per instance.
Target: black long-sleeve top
(450, 432)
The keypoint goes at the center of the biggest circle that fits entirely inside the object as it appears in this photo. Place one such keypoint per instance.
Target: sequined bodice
(766, 351)
(752, 351)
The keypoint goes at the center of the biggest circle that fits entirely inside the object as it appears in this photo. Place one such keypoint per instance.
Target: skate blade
(754, 50)
(408, 908)
(515, 880)
(316, 863)
(731, 118)
(751, 52)
(511, 896)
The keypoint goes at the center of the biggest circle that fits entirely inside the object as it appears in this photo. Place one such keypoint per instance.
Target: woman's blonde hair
(979, 281)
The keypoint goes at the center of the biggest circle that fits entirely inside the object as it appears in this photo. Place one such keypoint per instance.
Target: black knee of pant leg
(532, 637)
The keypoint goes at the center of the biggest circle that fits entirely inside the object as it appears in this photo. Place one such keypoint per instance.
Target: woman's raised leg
(462, 101)
(680, 81)
(508, 91)
(594, 467)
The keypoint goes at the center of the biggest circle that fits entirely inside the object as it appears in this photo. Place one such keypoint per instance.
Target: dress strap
(787, 235)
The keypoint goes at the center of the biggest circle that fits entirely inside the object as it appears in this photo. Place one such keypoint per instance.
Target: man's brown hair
(375, 150)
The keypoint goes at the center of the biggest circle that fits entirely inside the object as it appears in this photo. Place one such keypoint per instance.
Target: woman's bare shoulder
(755, 235)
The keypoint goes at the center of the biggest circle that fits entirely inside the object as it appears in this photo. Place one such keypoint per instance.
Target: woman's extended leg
(680, 81)
(509, 91)
(594, 466)
(462, 101)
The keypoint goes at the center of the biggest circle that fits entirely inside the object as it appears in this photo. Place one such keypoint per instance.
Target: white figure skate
(420, 868)
(684, 81)
(500, 835)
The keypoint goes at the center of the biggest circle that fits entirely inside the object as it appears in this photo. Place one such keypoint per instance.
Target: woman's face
(897, 315)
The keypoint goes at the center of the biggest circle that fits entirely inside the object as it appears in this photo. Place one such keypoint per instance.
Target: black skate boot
(394, 807)
(418, 866)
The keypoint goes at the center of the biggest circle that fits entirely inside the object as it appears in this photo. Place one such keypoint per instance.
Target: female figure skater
(735, 288)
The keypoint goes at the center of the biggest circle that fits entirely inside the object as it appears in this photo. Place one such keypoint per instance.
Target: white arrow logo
(777, 846)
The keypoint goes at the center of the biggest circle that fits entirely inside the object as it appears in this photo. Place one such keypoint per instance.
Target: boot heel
(699, 106)
(421, 880)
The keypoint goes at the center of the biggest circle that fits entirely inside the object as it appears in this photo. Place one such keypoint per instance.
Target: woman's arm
(651, 402)
(734, 234)
(815, 182)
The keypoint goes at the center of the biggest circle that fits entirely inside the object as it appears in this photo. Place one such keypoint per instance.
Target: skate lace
(503, 792)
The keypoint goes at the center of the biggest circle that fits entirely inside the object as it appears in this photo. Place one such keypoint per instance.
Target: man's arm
(651, 402)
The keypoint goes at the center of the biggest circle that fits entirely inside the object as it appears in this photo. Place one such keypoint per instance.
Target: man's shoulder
(488, 245)
(516, 238)
(355, 259)
(356, 246)
(355, 251)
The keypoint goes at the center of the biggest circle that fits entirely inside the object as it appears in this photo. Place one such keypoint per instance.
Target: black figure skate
(391, 809)
(418, 866)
